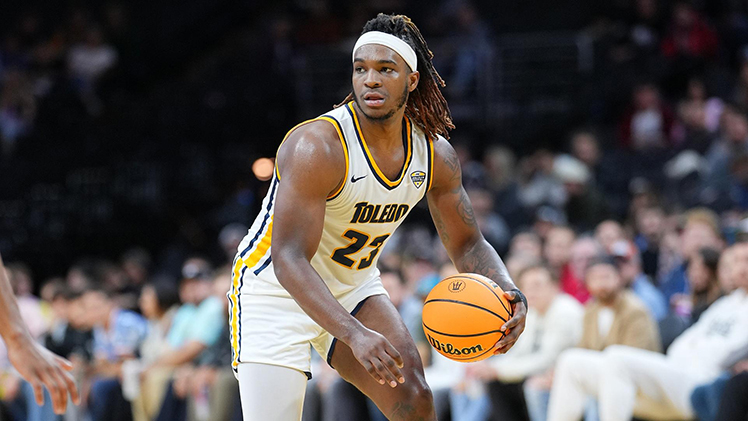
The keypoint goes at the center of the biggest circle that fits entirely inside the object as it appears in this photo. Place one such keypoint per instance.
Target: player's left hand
(42, 368)
(515, 326)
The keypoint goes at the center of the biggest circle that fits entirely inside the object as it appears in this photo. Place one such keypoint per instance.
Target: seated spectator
(720, 395)
(632, 382)
(584, 206)
(537, 184)
(136, 263)
(572, 280)
(646, 126)
(517, 263)
(196, 326)
(69, 336)
(629, 263)
(526, 243)
(614, 317)
(704, 286)
(703, 281)
(29, 305)
(733, 142)
(207, 385)
(128, 277)
(608, 233)
(713, 106)
(554, 324)
(650, 228)
(701, 229)
(490, 223)
(545, 219)
(115, 279)
(689, 35)
(158, 303)
(684, 175)
(695, 136)
(643, 194)
(557, 249)
(739, 181)
(117, 336)
(609, 170)
(500, 164)
(417, 265)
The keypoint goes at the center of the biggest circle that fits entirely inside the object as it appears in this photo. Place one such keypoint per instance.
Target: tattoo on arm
(441, 227)
(465, 209)
(453, 163)
(483, 260)
(471, 252)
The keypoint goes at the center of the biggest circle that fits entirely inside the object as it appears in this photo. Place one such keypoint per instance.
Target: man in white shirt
(635, 382)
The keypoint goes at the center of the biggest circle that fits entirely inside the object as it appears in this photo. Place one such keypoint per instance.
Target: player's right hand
(378, 357)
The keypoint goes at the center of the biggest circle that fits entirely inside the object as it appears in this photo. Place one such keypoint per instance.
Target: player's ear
(413, 79)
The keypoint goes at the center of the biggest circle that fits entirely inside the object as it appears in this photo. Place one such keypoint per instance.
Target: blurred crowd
(647, 319)
(627, 235)
(144, 346)
(658, 308)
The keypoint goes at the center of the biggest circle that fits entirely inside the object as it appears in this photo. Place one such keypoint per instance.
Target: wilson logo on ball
(452, 350)
(456, 286)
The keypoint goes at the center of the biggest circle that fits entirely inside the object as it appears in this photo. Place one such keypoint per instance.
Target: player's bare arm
(34, 363)
(311, 164)
(470, 252)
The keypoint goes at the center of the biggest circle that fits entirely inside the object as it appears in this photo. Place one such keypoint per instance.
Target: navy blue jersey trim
(264, 221)
(406, 138)
(347, 164)
(239, 322)
(264, 265)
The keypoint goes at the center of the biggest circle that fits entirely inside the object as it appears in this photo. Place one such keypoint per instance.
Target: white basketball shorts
(275, 330)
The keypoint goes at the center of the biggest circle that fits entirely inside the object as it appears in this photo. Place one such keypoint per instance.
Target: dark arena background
(137, 139)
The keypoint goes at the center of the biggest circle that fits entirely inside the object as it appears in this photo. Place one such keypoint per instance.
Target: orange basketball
(463, 315)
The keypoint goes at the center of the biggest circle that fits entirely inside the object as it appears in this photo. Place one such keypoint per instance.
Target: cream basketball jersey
(359, 217)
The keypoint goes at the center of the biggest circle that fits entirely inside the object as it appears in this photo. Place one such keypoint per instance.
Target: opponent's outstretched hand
(378, 357)
(514, 326)
(40, 367)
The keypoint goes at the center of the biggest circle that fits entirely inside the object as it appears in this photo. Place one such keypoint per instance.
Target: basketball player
(306, 272)
(34, 363)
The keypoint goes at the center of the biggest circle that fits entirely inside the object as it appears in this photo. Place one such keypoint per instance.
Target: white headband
(399, 46)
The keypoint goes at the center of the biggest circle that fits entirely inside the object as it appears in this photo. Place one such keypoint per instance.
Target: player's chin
(376, 111)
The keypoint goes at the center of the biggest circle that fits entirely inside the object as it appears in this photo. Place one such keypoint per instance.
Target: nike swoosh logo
(354, 179)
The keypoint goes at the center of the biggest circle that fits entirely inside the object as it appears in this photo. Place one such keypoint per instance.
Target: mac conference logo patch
(418, 178)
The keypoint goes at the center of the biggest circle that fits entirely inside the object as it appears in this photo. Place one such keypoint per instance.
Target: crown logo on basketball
(456, 286)
(418, 177)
